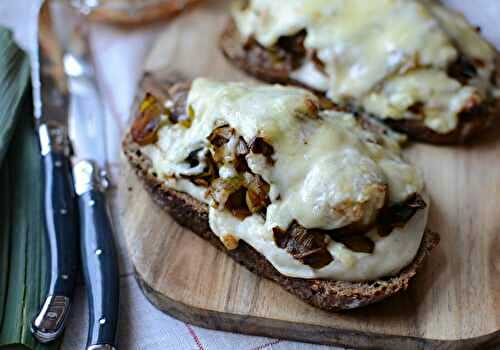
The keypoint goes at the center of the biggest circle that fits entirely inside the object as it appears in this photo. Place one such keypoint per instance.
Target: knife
(51, 111)
(87, 133)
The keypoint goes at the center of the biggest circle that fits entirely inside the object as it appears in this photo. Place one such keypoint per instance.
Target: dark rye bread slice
(257, 61)
(326, 294)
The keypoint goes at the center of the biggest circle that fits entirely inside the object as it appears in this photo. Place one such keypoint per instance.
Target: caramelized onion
(219, 138)
(240, 196)
(237, 205)
(308, 248)
(259, 146)
(397, 215)
(319, 64)
(463, 69)
(221, 135)
(240, 163)
(145, 128)
(182, 118)
(192, 159)
(360, 244)
(257, 196)
(152, 116)
(222, 188)
(293, 43)
(210, 172)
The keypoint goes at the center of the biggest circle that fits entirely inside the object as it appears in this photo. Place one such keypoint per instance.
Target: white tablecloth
(119, 56)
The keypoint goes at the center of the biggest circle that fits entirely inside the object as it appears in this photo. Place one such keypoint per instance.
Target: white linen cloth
(119, 55)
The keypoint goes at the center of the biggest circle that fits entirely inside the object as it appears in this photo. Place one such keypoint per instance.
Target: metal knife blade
(51, 102)
(86, 118)
(87, 132)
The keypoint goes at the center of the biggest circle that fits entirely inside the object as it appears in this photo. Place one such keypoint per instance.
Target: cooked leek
(23, 251)
(14, 77)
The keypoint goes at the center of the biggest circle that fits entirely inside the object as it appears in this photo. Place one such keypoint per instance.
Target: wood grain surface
(454, 302)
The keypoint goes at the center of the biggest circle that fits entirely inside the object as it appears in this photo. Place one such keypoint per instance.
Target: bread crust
(139, 15)
(469, 126)
(325, 294)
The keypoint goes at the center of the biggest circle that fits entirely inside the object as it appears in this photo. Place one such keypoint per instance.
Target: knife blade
(87, 133)
(51, 112)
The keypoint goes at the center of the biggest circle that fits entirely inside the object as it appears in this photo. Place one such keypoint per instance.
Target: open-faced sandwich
(317, 200)
(417, 65)
(132, 12)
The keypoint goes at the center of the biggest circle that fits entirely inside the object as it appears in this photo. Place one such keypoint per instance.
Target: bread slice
(326, 294)
(138, 12)
(259, 64)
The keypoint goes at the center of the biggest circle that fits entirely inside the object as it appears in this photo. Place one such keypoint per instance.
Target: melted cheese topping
(328, 173)
(366, 45)
(444, 98)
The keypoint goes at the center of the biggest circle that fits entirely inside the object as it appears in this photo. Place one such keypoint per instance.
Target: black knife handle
(60, 218)
(99, 258)
(62, 236)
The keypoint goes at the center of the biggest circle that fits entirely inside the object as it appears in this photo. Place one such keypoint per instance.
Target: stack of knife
(69, 117)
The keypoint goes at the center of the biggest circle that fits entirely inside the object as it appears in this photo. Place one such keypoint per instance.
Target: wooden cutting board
(454, 302)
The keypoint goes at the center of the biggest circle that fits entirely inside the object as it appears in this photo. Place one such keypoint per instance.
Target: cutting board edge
(258, 326)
